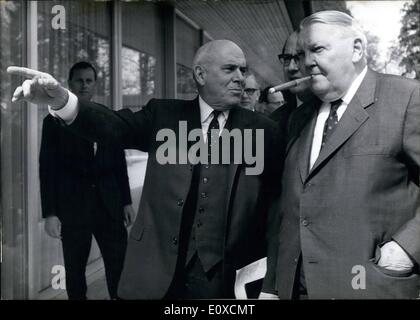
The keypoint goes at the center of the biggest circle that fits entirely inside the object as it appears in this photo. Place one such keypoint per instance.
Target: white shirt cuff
(69, 112)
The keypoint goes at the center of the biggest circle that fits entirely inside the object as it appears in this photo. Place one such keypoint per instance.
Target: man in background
(251, 93)
(270, 101)
(293, 70)
(84, 192)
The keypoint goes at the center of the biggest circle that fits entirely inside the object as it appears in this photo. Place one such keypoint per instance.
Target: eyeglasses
(286, 59)
(250, 91)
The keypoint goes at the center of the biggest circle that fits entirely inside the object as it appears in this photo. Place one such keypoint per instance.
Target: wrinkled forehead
(227, 54)
(319, 31)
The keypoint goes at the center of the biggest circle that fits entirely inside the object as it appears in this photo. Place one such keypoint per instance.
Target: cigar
(289, 84)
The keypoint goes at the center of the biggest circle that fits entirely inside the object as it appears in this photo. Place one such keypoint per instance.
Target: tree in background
(373, 55)
(408, 49)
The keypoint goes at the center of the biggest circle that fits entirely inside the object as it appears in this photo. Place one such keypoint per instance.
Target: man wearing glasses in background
(251, 93)
(292, 70)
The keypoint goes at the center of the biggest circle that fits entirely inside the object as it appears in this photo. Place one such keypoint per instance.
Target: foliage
(408, 51)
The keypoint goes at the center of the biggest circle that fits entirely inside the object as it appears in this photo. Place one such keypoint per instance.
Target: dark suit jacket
(153, 242)
(282, 116)
(362, 191)
(70, 173)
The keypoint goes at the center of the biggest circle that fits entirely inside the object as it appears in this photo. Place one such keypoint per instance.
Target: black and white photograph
(232, 152)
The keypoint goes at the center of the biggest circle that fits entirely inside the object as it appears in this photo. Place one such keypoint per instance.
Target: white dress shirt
(324, 112)
(206, 117)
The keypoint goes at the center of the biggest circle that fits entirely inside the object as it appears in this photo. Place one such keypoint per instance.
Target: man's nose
(309, 60)
(293, 66)
(239, 76)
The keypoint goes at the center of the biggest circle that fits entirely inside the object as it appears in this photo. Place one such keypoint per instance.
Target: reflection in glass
(138, 78)
(186, 87)
(86, 37)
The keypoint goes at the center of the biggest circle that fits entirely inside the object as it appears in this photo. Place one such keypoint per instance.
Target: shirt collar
(206, 110)
(354, 86)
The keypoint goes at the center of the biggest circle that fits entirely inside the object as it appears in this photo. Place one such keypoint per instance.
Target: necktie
(331, 122)
(213, 131)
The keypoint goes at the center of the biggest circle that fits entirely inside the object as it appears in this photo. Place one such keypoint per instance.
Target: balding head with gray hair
(333, 49)
(350, 26)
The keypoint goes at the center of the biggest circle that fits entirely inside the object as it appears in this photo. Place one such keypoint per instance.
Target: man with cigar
(194, 221)
(349, 210)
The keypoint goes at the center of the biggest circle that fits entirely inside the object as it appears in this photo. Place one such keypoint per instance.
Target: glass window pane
(142, 53)
(13, 268)
(187, 43)
(86, 37)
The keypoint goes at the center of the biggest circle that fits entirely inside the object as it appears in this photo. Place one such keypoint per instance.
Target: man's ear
(200, 75)
(358, 50)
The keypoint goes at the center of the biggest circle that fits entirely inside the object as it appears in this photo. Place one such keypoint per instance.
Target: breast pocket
(367, 150)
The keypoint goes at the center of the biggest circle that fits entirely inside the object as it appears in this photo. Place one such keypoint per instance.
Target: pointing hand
(40, 88)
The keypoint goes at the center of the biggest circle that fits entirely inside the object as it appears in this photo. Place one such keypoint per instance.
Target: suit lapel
(301, 131)
(354, 116)
(190, 113)
(238, 119)
(304, 147)
(300, 118)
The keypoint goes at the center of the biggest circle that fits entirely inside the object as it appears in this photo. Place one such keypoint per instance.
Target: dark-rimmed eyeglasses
(286, 59)
(250, 91)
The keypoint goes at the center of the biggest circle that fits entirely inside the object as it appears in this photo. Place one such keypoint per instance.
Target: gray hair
(338, 18)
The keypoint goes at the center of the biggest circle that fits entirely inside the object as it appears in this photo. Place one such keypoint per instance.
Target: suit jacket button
(180, 202)
(199, 224)
(203, 195)
(201, 209)
(205, 180)
(175, 240)
(305, 222)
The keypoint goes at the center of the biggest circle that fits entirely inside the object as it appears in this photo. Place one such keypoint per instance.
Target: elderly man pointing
(194, 219)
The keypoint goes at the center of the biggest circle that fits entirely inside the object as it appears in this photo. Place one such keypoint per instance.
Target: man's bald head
(211, 49)
(218, 69)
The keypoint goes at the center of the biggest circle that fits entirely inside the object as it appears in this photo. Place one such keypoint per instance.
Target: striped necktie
(331, 122)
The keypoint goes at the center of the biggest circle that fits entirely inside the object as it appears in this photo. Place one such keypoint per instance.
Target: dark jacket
(362, 191)
(153, 243)
(71, 176)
